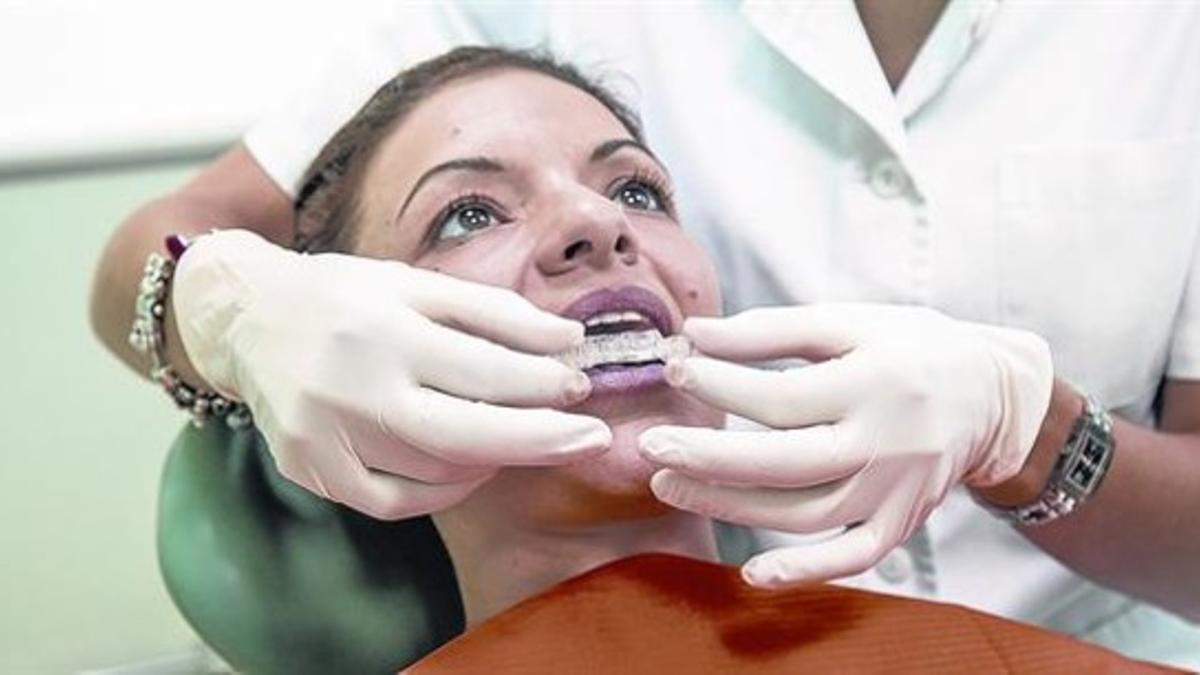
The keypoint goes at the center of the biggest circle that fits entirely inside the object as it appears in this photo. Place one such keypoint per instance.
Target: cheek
(688, 273)
(495, 258)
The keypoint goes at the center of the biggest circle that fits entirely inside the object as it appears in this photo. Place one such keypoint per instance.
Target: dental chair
(277, 580)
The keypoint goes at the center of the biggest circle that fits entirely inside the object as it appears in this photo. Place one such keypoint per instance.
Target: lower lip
(625, 379)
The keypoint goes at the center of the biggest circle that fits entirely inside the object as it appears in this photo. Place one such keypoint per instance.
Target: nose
(588, 230)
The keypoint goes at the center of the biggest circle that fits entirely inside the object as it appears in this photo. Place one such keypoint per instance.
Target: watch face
(1093, 449)
(1088, 464)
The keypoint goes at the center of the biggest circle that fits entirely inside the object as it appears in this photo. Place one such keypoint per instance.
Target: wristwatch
(1078, 472)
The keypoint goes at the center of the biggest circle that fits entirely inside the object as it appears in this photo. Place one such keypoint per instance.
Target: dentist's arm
(233, 191)
(1138, 532)
(393, 390)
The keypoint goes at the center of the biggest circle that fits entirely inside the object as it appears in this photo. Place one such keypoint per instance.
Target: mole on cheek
(693, 294)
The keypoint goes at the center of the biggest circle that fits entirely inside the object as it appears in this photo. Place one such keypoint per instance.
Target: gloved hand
(901, 404)
(364, 378)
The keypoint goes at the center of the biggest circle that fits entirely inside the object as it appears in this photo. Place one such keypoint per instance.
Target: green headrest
(277, 580)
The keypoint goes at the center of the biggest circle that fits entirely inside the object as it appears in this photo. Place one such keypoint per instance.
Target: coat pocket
(1094, 249)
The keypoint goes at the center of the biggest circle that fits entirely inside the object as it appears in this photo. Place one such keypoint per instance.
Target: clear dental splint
(631, 347)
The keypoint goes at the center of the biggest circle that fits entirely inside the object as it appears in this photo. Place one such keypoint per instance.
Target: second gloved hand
(900, 404)
(376, 384)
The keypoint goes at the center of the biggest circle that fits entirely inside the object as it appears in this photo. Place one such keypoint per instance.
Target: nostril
(622, 245)
(576, 249)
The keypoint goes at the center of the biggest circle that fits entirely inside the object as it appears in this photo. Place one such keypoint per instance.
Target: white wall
(83, 78)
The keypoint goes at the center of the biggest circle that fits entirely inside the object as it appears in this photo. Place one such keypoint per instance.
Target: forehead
(504, 113)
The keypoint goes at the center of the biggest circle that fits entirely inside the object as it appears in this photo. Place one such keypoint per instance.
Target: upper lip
(622, 299)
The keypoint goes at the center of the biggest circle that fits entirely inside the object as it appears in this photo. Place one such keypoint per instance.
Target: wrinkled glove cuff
(148, 337)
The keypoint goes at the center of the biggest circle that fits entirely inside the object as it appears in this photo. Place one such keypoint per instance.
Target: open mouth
(628, 337)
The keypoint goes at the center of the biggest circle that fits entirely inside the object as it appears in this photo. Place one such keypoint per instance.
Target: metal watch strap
(1078, 472)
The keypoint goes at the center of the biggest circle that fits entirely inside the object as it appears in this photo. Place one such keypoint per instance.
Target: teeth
(608, 318)
(628, 347)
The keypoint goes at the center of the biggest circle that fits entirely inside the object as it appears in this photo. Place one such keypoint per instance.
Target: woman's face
(516, 179)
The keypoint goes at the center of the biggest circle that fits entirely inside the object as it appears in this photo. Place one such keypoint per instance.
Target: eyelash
(652, 180)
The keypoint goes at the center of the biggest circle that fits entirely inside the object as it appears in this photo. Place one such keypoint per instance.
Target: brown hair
(327, 203)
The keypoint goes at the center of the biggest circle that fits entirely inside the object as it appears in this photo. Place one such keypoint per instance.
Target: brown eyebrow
(608, 148)
(472, 164)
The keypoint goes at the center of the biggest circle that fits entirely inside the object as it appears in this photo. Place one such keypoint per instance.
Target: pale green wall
(82, 441)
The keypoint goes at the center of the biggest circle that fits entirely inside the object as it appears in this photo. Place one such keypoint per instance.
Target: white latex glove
(902, 404)
(364, 380)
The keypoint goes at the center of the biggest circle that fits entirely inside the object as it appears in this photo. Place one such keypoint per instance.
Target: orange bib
(666, 614)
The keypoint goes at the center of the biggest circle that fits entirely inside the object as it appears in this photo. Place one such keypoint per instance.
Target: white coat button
(888, 179)
(896, 567)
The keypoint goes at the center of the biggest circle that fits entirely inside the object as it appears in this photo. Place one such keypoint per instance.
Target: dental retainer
(627, 348)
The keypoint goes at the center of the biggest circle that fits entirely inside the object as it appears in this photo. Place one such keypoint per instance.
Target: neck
(500, 562)
(897, 30)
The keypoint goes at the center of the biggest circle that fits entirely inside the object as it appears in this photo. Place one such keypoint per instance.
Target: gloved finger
(378, 450)
(470, 367)
(341, 477)
(473, 433)
(849, 553)
(389, 497)
(411, 463)
(822, 392)
(800, 511)
(777, 459)
(813, 332)
(498, 314)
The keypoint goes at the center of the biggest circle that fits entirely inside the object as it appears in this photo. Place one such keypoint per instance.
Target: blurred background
(104, 105)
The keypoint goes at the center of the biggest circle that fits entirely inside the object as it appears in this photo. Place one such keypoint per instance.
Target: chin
(614, 486)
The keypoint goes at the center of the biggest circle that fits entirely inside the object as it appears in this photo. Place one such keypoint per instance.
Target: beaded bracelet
(148, 337)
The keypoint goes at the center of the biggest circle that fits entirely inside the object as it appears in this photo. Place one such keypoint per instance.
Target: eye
(639, 194)
(464, 217)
